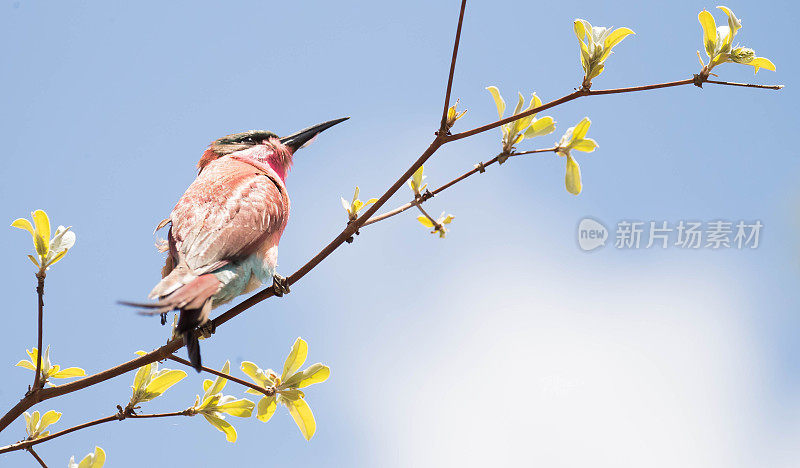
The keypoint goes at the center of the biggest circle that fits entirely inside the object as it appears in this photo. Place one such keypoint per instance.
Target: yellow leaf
(69, 372)
(242, 408)
(141, 376)
(580, 130)
(58, 257)
(50, 417)
(293, 380)
(580, 30)
(423, 220)
(99, 458)
(447, 219)
(266, 408)
(42, 230)
(761, 62)
(251, 370)
(291, 394)
(33, 260)
(573, 177)
(297, 356)
(23, 223)
(596, 71)
(416, 179)
(26, 365)
(207, 384)
(315, 373)
(540, 127)
(616, 37)
(709, 31)
(160, 384)
(219, 382)
(587, 145)
(498, 100)
(303, 417)
(520, 103)
(223, 426)
(733, 23)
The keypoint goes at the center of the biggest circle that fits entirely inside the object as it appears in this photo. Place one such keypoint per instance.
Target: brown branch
(265, 391)
(51, 392)
(38, 379)
(28, 443)
(37, 457)
(443, 127)
(436, 225)
(698, 80)
(120, 416)
(185, 412)
(745, 85)
(480, 167)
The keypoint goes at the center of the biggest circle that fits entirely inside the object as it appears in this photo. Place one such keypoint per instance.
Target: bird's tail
(193, 299)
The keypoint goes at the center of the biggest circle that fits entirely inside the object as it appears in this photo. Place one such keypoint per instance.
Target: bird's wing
(227, 213)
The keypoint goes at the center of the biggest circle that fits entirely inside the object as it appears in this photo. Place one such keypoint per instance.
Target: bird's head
(265, 146)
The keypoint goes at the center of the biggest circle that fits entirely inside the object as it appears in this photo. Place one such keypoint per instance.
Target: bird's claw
(164, 319)
(280, 285)
(208, 329)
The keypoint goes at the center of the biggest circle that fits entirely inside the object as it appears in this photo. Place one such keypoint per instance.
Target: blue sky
(503, 343)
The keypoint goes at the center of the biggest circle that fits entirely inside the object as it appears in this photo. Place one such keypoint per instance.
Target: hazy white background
(503, 343)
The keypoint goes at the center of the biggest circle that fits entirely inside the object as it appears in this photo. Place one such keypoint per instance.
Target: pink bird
(224, 231)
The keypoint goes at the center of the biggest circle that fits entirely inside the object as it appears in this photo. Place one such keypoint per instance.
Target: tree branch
(443, 126)
(265, 391)
(436, 225)
(745, 85)
(38, 380)
(37, 457)
(120, 416)
(480, 167)
(697, 80)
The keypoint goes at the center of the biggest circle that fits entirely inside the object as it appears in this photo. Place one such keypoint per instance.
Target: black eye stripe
(252, 137)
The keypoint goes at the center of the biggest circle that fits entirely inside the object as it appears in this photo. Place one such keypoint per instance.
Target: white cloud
(553, 367)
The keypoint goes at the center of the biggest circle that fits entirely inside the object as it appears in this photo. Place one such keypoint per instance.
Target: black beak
(296, 141)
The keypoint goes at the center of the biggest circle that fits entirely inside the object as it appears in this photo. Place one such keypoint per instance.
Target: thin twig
(436, 225)
(27, 443)
(122, 415)
(745, 85)
(587, 92)
(37, 457)
(38, 379)
(159, 415)
(265, 391)
(443, 126)
(480, 167)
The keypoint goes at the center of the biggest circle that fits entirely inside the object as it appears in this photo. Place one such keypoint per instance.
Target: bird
(224, 231)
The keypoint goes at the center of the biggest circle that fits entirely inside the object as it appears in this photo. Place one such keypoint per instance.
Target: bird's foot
(208, 329)
(164, 319)
(280, 285)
